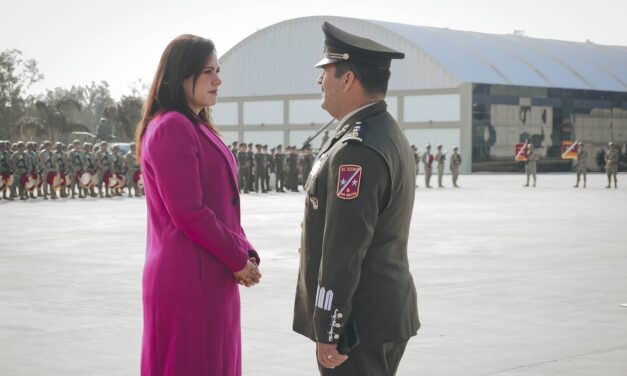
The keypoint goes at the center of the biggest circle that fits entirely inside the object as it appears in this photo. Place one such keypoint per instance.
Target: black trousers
(374, 360)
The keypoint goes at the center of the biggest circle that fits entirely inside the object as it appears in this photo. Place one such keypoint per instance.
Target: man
(456, 161)
(61, 162)
(441, 158)
(49, 171)
(20, 160)
(104, 165)
(118, 169)
(269, 166)
(91, 168)
(581, 166)
(133, 171)
(5, 170)
(611, 164)
(31, 148)
(306, 162)
(354, 286)
(76, 160)
(427, 160)
(292, 169)
(279, 168)
(250, 162)
(414, 149)
(260, 166)
(243, 172)
(531, 165)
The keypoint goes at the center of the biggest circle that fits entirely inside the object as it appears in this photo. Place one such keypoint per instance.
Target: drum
(2, 183)
(68, 180)
(110, 179)
(85, 179)
(138, 178)
(121, 181)
(28, 182)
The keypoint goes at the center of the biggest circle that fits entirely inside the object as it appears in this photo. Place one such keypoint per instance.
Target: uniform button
(336, 336)
(234, 200)
(337, 325)
(339, 315)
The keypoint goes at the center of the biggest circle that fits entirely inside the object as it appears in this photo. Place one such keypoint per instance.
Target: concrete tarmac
(511, 281)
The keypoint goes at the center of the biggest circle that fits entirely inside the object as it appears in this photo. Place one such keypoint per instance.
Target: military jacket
(241, 159)
(582, 156)
(5, 166)
(353, 257)
(279, 160)
(456, 160)
(47, 161)
(131, 162)
(90, 166)
(427, 159)
(611, 157)
(440, 157)
(34, 161)
(76, 161)
(532, 158)
(60, 159)
(21, 163)
(104, 160)
(118, 164)
(260, 161)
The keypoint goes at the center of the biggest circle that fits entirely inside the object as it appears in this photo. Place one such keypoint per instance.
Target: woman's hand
(249, 275)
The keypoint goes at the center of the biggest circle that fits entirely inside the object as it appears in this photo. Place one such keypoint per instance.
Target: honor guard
(611, 164)
(76, 160)
(456, 161)
(49, 171)
(306, 162)
(250, 162)
(279, 168)
(414, 149)
(531, 165)
(20, 161)
(355, 294)
(581, 166)
(134, 177)
(441, 158)
(243, 171)
(260, 166)
(5, 170)
(268, 168)
(104, 163)
(61, 160)
(31, 148)
(427, 161)
(119, 170)
(91, 169)
(292, 169)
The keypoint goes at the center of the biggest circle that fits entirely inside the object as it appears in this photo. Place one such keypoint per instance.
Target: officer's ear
(349, 80)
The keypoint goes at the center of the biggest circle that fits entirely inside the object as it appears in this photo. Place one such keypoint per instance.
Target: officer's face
(203, 92)
(332, 89)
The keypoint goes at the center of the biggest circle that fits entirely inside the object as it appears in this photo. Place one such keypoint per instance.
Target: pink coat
(195, 242)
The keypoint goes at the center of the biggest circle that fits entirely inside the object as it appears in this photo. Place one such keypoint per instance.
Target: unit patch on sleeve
(348, 180)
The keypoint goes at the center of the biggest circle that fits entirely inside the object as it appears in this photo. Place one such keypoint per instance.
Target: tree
(56, 119)
(16, 75)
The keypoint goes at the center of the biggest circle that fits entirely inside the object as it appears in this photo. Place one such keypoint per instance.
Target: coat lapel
(221, 148)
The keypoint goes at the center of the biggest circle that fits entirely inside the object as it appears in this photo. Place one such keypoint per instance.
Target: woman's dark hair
(184, 57)
(374, 79)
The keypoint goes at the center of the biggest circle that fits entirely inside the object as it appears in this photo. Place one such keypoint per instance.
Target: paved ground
(511, 281)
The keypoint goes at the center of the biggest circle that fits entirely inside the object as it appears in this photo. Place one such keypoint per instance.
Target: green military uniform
(260, 168)
(132, 167)
(61, 162)
(5, 170)
(243, 172)
(279, 169)
(118, 169)
(91, 168)
(531, 165)
(611, 164)
(441, 158)
(427, 160)
(306, 163)
(104, 164)
(48, 166)
(250, 162)
(34, 163)
(354, 279)
(20, 160)
(76, 160)
(456, 161)
(292, 169)
(581, 166)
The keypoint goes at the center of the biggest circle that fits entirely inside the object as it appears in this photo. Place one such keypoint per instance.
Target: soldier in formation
(580, 164)
(531, 165)
(427, 161)
(456, 161)
(440, 157)
(134, 180)
(611, 164)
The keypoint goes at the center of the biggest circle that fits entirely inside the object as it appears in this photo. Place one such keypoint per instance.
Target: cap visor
(326, 61)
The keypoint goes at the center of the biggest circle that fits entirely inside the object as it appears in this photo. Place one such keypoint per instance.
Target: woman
(196, 249)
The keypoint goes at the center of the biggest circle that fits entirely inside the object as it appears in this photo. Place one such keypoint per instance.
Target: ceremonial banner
(569, 149)
(521, 152)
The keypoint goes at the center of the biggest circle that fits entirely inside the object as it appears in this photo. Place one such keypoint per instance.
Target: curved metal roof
(279, 59)
(520, 60)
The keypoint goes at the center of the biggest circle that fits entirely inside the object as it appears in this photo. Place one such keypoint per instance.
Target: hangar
(482, 92)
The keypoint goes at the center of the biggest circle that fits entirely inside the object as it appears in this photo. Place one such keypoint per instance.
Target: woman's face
(205, 92)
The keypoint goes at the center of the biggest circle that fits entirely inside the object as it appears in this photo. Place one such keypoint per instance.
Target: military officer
(133, 168)
(456, 161)
(76, 161)
(441, 158)
(49, 170)
(355, 295)
(427, 160)
(5, 170)
(611, 164)
(104, 164)
(531, 165)
(279, 168)
(580, 164)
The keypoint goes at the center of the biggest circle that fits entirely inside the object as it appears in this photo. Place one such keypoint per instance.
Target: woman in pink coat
(196, 249)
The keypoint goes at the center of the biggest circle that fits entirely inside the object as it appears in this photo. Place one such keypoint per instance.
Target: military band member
(243, 173)
(21, 169)
(49, 170)
(62, 168)
(441, 158)
(76, 160)
(581, 166)
(427, 160)
(104, 164)
(133, 168)
(531, 165)
(611, 164)
(5, 170)
(456, 161)
(354, 279)
(31, 148)
(279, 168)
(118, 169)
(91, 168)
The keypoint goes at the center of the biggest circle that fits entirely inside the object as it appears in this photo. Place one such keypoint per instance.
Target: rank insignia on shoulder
(348, 181)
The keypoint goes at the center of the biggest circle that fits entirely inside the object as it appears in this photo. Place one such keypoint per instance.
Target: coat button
(339, 315)
(337, 325)
(234, 200)
(336, 336)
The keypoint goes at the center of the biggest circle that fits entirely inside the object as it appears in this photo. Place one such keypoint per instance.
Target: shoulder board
(356, 134)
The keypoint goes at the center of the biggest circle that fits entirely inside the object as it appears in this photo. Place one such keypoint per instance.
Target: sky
(120, 41)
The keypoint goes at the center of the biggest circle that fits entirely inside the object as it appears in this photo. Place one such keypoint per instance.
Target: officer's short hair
(374, 79)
